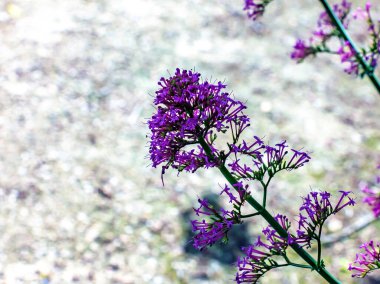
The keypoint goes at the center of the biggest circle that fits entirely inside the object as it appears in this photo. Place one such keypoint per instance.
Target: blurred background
(79, 201)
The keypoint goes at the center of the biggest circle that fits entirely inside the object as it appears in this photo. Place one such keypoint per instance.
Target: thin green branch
(269, 218)
(250, 215)
(300, 265)
(296, 264)
(319, 245)
(368, 70)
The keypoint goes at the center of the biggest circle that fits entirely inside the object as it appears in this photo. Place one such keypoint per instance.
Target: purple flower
(241, 190)
(372, 196)
(325, 26)
(189, 110)
(264, 159)
(255, 8)
(215, 228)
(258, 257)
(327, 31)
(366, 261)
(301, 50)
(316, 208)
(347, 55)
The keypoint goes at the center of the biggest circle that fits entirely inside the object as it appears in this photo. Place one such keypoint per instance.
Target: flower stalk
(367, 68)
(269, 218)
(190, 116)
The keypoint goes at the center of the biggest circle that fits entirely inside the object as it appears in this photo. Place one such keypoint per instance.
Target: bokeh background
(79, 201)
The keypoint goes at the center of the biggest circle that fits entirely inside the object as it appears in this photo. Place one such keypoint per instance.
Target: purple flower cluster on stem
(301, 50)
(332, 26)
(190, 115)
(220, 221)
(259, 257)
(187, 110)
(316, 208)
(216, 228)
(264, 159)
(327, 31)
(366, 261)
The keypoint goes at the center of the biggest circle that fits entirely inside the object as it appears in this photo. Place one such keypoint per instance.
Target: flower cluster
(241, 190)
(219, 221)
(315, 210)
(255, 8)
(372, 196)
(188, 111)
(259, 257)
(367, 261)
(265, 159)
(301, 50)
(326, 31)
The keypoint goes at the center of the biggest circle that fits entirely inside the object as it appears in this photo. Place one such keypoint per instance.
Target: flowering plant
(368, 260)
(332, 27)
(191, 114)
(189, 117)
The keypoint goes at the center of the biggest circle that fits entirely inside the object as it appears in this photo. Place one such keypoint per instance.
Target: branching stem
(367, 68)
(270, 219)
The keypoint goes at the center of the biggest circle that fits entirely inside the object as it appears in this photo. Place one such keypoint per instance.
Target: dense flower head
(372, 197)
(316, 208)
(258, 257)
(326, 31)
(255, 8)
(264, 158)
(188, 110)
(366, 261)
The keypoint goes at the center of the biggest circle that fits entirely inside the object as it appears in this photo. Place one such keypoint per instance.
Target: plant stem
(296, 264)
(265, 197)
(319, 245)
(300, 265)
(269, 218)
(368, 70)
(249, 215)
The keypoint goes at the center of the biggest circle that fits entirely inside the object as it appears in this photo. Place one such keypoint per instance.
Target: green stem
(368, 70)
(249, 215)
(319, 246)
(296, 264)
(265, 197)
(269, 218)
(300, 265)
